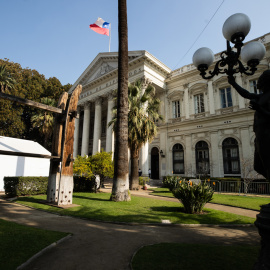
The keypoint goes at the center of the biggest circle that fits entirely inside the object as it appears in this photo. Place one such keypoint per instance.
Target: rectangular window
(226, 97)
(199, 103)
(253, 87)
(176, 109)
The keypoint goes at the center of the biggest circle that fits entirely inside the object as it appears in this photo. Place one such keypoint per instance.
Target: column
(190, 166)
(145, 147)
(145, 165)
(97, 127)
(86, 127)
(76, 135)
(241, 100)
(109, 135)
(245, 140)
(211, 97)
(215, 160)
(186, 101)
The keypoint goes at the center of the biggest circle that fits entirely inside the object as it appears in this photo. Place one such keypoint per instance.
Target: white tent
(22, 166)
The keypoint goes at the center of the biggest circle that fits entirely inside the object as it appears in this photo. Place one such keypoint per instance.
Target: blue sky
(53, 36)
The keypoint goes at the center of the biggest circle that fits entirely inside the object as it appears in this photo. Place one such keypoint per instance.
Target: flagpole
(110, 38)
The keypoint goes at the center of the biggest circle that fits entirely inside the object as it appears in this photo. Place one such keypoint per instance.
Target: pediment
(103, 68)
(103, 64)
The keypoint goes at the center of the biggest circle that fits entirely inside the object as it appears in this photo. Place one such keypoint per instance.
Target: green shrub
(171, 182)
(193, 197)
(21, 185)
(143, 180)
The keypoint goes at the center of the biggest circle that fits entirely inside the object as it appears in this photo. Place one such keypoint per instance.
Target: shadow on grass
(92, 199)
(139, 210)
(167, 209)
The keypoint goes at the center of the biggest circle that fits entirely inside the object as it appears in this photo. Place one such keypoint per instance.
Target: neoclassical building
(207, 126)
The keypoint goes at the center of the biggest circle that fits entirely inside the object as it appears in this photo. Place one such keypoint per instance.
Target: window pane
(234, 152)
(223, 98)
(202, 103)
(235, 167)
(229, 97)
(196, 104)
(176, 108)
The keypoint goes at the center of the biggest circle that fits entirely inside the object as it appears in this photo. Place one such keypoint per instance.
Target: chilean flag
(101, 27)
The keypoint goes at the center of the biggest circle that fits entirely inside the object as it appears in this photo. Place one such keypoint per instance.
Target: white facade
(22, 166)
(207, 126)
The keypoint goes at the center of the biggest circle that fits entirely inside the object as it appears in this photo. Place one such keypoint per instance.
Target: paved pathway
(97, 245)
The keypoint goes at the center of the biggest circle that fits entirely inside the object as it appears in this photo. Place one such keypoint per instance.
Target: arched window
(178, 159)
(202, 158)
(231, 156)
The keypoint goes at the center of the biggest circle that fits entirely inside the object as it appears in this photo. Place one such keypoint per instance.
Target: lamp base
(263, 224)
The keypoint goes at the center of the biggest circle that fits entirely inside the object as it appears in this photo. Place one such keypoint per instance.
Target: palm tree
(6, 80)
(143, 113)
(44, 121)
(120, 190)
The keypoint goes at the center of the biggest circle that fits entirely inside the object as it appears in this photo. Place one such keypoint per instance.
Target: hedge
(22, 185)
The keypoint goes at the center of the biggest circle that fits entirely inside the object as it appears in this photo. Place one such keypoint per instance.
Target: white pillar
(186, 101)
(241, 100)
(145, 147)
(145, 165)
(86, 127)
(76, 135)
(109, 135)
(214, 155)
(246, 147)
(211, 97)
(97, 127)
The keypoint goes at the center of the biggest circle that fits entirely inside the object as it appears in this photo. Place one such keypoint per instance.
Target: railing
(262, 188)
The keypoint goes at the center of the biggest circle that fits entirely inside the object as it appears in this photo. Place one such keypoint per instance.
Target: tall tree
(143, 114)
(142, 118)
(6, 80)
(44, 122)
(120, 190)
(15, 119)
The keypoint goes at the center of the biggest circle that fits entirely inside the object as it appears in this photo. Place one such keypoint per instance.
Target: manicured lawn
(97, 206)
(19, 243)
(172, 256)
(249, 202)
(241, 201)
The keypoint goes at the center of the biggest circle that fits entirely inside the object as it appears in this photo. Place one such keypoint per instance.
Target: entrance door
(155, 163)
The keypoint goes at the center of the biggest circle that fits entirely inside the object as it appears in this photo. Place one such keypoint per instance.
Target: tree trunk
(120, 190)
(134, 174)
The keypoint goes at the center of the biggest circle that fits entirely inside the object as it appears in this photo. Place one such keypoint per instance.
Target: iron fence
(260, 188)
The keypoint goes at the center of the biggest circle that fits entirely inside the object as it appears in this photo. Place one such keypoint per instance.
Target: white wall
(22, 166)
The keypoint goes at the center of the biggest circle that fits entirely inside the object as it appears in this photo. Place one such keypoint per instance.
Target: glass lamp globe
(203, 56)
(254, 50)
(236, 27)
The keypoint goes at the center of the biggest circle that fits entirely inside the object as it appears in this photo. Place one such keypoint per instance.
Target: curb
(42, 252)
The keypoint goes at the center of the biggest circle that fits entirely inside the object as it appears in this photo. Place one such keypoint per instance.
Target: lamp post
(235, 29)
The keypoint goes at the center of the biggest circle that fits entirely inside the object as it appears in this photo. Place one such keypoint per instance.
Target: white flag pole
(110, 38)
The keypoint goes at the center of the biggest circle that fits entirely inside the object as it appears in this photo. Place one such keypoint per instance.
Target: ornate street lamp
(235, 29)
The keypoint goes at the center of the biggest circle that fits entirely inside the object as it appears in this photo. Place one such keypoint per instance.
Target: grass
(172, 256)
(19, 243)
(248, 202)
(97, 206)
